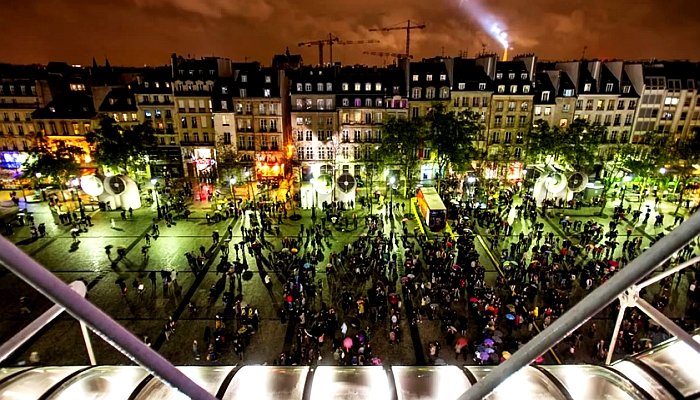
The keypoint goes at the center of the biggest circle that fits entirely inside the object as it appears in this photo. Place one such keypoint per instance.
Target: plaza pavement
(61, 343)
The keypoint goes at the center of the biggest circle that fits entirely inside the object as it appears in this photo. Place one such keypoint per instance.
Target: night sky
(137, 32)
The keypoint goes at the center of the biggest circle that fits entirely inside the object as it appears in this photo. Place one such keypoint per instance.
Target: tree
(452, 135)
(544, 141)
(580, 147)
(575, 146)
(119, 148)
(56, 161)
(686, 153)
(401, 140)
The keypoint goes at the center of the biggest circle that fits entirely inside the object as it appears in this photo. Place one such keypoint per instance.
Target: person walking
(112, 223)
(148, 239)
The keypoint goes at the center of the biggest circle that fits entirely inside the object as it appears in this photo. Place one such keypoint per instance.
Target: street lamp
(625, 179)
(232, 182)
(155, 184)
(391, 201)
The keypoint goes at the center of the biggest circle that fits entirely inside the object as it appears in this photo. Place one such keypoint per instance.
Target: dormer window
(329, 87)
(157, 85)
(378, 86)
(300, 87)
(429, 78)
(587, 87)
(461, 86)
(526, 88)
(545, 96)
(224, 90)
(308, 87)
(268, 79)
(511, 75)
(626, 89)
(443, 77)
(523, 75)
(358, 87)
(52, 109)
(368, 87)
(319, 87)
(415, 78)
(482, 86)
(568, 92)
(608, 87)
(499, 75)
(244, 78)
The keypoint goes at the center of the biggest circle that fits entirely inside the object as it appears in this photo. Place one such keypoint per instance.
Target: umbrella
(473, 300)
(456, 267)
(510, 317)
(539, 360)
(488, 342)
(451, 329)
(243, 330)
(510, 262)
(484, 356)
(506, 355)
(308, 266)
(511, 307)
(347, 343)
(410, 276)
(613, 263)
(497, 339)
(404, 220)
(294, 250)
(461, 342)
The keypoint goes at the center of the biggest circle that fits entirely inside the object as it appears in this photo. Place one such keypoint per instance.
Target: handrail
(588, 307)
(26, 334)
(57, 291)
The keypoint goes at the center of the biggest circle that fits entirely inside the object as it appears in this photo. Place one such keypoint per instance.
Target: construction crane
(385, 54)
(330, 42)
(407, 27)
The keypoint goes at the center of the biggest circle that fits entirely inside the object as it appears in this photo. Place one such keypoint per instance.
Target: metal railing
(119, 337)
(620, 284)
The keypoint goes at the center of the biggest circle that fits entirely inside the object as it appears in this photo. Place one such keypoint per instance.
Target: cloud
(147, 31)
(256, 10)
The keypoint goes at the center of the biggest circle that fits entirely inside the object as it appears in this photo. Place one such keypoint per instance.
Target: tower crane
(387, 54)
(330, 42)
(408, 27)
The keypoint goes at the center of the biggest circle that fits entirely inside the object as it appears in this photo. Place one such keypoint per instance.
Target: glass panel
(642, 379)
(446, 382)
(584, 382)
(678, 364)
(33, 383)
(261, 382)
(361, 383)
(5, 372)
(209, 378)
(528, 383)
(102, 383)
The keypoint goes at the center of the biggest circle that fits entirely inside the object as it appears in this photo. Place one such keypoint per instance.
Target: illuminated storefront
(269, 168)
(201, 162)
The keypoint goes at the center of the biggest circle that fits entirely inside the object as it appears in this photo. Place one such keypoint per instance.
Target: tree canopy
(452, 135)
(120, 148)
(575, 146)
(401, 140)
(56, 161)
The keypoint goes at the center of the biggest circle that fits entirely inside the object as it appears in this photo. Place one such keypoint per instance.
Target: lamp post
(391, 198)
(155, 183)
(231, 183)
(247, 178)
(625, 179)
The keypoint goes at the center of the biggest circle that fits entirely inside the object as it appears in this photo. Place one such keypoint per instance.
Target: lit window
(443, 77)
(266, 92)
(461, 86)
(268, 79)
(368, 87)
(587, 87)
(568, 92)
(377, 86)
(415, 78)
(482, 86)
(501, 88)
(358, 87)
(345, 86)
(428, 78)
